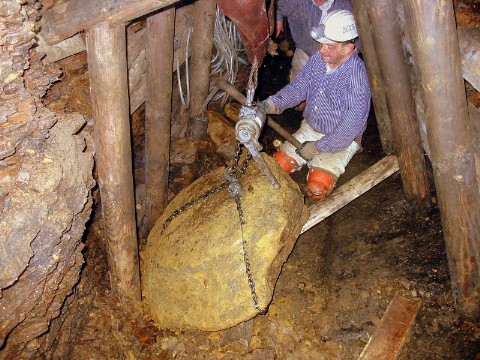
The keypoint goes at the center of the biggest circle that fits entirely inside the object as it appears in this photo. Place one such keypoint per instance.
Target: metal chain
(232, 176)
(192, 202)
(234, 172)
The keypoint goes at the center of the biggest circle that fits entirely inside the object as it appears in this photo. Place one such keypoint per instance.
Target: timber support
(107, 67)
(202, 46)
(158, 108)
(393, 66)
(377, 84)
(433, 30)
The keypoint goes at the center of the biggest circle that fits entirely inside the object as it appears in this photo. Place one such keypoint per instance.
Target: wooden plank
(137, 95)
(388, 339)
(469, 41)
(135, 44)
(432, 28)
(137, 60)
(183, 21)
(107, 67)
(62, 50)
(68, 18)
(474, 115)
(351, 190)
(137, 71)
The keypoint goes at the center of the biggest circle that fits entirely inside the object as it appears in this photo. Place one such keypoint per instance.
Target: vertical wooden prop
(376, 81)
(107, 67)
(158, 108)
(387, 39)
(437, 58)
(201, 57)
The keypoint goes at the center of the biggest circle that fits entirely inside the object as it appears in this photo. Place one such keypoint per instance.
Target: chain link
(232, 176)
(233, 172)
(192, 202)
(232, 184)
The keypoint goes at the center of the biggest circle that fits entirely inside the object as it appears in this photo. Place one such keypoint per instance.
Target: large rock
(193, 267)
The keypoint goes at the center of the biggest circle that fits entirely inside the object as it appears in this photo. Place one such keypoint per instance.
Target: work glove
(308, 150)
(268, 106)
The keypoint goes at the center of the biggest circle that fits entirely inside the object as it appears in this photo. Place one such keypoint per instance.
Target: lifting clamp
(249, 126)
(247, 131)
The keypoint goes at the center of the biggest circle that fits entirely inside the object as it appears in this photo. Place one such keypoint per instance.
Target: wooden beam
(158, 108)
(137, 60)
(377, 85)
(136, 40)
(136, 72)
(388, 339)
(388, 44)
(469, 41)
(68, 18)
(201, 58)
(62, 50)
(432, 28)
(351, 190)
(107, 67)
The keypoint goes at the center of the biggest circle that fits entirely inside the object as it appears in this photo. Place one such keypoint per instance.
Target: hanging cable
(185, 99)
(228, 51)
(228, 48)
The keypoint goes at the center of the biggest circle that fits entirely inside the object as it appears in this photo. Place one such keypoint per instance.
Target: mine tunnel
(138, 223)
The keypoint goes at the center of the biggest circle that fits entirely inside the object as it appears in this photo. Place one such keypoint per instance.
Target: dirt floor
(330, 296)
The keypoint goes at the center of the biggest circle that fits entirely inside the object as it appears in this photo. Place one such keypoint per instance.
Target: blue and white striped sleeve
(354, 119)
(294, 93)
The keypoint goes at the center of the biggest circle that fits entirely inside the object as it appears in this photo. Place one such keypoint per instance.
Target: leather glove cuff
(268, 106)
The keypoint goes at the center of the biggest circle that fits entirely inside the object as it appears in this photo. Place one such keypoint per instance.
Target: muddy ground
(330, 296)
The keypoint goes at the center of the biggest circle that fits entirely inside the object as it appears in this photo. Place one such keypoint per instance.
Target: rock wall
(46, 162)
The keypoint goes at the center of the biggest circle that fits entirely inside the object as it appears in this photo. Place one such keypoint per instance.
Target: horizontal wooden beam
(351, 190)
(68, 18)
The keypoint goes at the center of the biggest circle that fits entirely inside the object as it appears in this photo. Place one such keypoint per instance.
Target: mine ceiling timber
(65, 20)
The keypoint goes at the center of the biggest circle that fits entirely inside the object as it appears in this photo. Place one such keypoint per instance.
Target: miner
(335, 85)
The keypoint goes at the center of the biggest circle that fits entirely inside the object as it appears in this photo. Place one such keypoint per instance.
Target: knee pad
(319, 184)
(285, 161)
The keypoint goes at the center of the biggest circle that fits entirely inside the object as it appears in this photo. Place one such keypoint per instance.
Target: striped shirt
(302, 16)
(338, 102)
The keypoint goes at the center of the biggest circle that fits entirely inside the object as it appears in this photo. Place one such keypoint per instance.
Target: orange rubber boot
(319, 184)
(285, 161)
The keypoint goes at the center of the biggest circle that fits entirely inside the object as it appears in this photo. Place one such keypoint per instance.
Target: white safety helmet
(337, 26)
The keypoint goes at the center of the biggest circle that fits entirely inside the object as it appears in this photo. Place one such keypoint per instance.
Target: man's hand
(268, 106)
(308, 150)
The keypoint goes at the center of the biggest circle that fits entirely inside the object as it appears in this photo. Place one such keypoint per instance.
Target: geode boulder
(194, 268)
